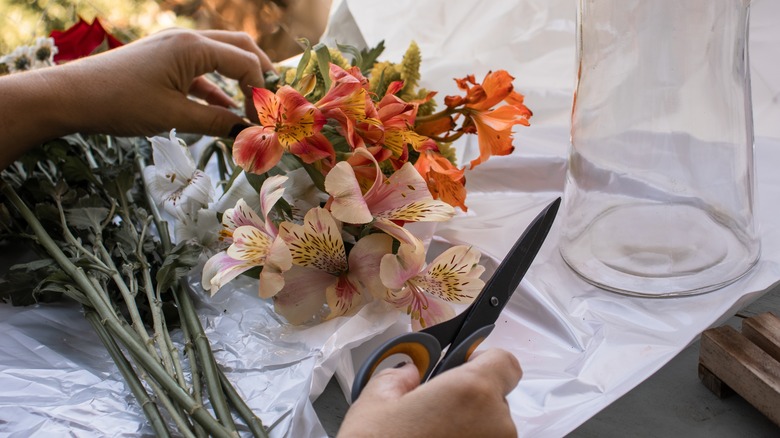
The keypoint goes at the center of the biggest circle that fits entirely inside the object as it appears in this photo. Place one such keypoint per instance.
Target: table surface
(586, 348)
(581, 348)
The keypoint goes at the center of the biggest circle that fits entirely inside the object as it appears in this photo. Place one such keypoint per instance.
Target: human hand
(467, 401)
(141, 88)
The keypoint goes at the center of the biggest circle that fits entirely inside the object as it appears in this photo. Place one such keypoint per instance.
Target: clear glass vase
(659, 196)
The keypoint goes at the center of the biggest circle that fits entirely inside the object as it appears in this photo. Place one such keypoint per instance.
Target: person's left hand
(142, 88)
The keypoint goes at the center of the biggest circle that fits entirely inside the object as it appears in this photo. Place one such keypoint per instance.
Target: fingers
(253, 78)
(499, 366)
(391, 383)
(206, 119)
(244, 41)
(202, 88)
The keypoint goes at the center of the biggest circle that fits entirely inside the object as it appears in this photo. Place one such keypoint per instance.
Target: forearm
(138, 89)
(36, 106)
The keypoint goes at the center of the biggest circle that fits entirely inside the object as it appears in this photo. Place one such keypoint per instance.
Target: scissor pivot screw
(494, 301)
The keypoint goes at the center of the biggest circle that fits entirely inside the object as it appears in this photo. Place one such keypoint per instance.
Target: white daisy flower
(21, 59)
(44, 51)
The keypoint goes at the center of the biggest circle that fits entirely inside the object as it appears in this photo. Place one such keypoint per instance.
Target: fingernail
(400, 364)
(238, 127)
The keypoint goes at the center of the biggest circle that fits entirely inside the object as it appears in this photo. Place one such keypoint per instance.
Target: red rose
(81, 40)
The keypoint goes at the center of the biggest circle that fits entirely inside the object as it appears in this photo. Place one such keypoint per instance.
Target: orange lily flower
(493, 127)
(349, 103)
(288, 122)
(397, 117)
(445, 181)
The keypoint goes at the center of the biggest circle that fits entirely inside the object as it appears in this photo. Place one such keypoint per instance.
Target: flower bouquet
(314, 201)
(343, 156)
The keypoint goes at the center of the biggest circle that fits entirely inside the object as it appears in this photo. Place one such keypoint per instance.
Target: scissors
(465, 332)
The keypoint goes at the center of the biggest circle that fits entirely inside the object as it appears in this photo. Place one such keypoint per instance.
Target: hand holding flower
(137, 89)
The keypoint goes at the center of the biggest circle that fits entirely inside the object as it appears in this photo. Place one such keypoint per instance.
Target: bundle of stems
(83, 203)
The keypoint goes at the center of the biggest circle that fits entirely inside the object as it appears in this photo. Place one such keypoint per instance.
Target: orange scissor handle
(422, 348)
(460, 354)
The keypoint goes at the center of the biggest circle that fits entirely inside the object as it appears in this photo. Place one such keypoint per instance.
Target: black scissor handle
(422, 348)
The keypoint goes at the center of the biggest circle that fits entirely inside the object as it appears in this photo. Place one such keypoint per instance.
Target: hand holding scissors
(465, 332)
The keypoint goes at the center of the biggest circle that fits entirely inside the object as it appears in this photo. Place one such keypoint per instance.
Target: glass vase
(659, 196)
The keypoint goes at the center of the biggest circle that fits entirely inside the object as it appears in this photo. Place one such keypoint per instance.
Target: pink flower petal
(454, 275)
(303, 295)
(396, 269)
(343, 297)
(348, 204)
(220, 269)
(365, 261)
(251, 244)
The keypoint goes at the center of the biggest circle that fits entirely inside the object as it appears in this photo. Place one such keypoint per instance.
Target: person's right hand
(466, 401)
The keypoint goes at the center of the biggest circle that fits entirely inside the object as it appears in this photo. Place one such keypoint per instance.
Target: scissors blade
(497, 291)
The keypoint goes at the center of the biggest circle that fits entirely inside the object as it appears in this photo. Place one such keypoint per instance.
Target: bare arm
(138, 89)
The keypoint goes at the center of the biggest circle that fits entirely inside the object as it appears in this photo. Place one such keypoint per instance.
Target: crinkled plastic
(581, 348)
(58, 379)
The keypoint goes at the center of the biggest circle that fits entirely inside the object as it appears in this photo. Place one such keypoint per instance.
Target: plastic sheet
(58, 380)
(581, 348)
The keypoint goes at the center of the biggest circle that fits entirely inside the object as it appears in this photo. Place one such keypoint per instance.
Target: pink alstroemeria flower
(288, 122)
(323, 273)
(424, 292)
(254, 241)
(404, 196)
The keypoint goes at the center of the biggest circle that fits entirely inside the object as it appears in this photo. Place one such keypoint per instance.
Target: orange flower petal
(257, 149)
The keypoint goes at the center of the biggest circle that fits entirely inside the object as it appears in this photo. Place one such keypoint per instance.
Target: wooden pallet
(747, 363)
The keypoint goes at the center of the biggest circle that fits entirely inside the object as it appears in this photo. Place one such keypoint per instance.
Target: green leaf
(370, 56)
(256, 180)
(176, 265)
(90, 218)
(305, 57)
(18, 286)
(124, 237)
(316, 176)
(323, 62)
(357, 56)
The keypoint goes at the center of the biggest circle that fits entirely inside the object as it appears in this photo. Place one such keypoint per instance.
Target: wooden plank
(713, 383)
(744, 367)
(764, 331)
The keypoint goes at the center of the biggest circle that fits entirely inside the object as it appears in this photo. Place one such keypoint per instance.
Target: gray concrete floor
(671, 403)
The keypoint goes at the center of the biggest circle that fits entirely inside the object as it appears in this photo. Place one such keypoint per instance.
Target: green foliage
(87, 194)
(177, 264)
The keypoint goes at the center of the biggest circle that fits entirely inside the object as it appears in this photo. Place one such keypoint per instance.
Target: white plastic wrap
(581, 348)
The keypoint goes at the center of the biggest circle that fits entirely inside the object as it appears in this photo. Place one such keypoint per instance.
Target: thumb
(391, 383)
(207, 119)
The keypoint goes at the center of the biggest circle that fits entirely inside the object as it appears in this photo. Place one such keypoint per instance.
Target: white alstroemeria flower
(174, 181)
(302, 194)
(202, 227)
(239, 189)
